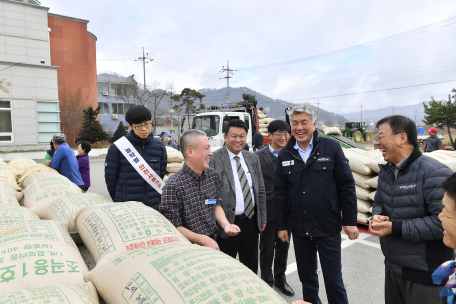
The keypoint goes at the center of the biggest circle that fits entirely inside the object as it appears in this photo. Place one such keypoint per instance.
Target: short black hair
(85, 146)
(52, 146)
(449, 185)
(278, 125)
(235, 123)
(138, 114)
(399, 124)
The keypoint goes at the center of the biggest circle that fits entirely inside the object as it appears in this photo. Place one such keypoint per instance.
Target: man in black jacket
(314, 185)
(269, 242)
(406, 208)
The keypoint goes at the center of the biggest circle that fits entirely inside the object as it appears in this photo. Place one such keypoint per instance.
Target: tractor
(353, 130)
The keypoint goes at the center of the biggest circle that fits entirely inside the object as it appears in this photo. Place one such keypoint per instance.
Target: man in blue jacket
(124, 183)
(64, 160)
(314, 188)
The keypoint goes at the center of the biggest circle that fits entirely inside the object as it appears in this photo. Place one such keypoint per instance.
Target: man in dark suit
(242, 195)
(279, 131)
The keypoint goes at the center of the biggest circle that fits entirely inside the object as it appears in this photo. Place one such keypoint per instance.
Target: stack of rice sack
(264, 122)
(445, 157)
(175, 162)
(140, 255)
(365, 168)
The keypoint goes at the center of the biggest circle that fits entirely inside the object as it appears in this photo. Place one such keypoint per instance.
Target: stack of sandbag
(263, 123)
(175, 162)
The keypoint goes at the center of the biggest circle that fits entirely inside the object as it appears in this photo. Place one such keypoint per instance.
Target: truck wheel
(357, 136)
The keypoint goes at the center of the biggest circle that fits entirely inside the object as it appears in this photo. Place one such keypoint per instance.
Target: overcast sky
(190, 41)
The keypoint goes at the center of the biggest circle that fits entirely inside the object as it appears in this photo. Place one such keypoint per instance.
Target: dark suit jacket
(268, 170)
(220, 161)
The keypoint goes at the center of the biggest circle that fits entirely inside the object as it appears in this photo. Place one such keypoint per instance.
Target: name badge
(288, 163)
(211, 201)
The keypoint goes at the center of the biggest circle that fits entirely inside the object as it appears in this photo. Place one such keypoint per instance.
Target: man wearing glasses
(269, 242)
(405, 214)
(123, 180)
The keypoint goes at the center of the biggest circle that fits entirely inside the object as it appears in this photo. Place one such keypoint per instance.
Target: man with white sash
(136, 164)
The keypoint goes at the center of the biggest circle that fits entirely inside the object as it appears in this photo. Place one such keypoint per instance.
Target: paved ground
(362, 260)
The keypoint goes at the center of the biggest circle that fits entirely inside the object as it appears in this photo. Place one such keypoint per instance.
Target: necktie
(248, 204)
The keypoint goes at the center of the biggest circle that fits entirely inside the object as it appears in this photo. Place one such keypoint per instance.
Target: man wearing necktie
(242, 193)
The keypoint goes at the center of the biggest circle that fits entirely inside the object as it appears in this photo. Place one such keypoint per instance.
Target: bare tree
(341, 122)
(157, 95)
(328, 122)
(72, 104)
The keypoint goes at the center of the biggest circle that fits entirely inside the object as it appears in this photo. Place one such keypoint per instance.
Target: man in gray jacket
(405, 214)
(433, 142)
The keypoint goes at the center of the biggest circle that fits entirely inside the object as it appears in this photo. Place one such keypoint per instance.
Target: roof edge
(28, 4)
(52, 67)
(91, 34)
(68, 18)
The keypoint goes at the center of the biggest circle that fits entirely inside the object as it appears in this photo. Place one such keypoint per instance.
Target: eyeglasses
(380, 137)
(281, 134)
(146, 125)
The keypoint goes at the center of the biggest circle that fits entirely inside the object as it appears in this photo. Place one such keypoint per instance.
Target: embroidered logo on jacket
(407, 187)
(323, 159)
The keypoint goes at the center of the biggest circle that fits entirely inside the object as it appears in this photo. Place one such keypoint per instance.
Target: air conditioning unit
(105, 93)
(114, 116)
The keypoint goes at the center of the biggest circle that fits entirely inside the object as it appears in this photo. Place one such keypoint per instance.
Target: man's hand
(380, 218)
(352, 232)
(263, 226)
(48, 163)
(283, 236)
(381, 229)
(209, 242)
(231, 229)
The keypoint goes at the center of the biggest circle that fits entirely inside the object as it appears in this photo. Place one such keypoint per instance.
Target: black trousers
(402, 291)
(245, 243)
(329, 252)
(272, 249)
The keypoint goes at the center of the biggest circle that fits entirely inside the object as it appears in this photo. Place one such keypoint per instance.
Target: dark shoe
(285, 288)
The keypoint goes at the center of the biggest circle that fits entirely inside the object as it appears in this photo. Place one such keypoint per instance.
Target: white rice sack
(179, 274)
(364, 206)
(372, 195)
(21, 163)
(42, 188)
(61, 294)
(168, 175)
(269, 120)
(443, 156)
(374, 164)
(263, 130)
(451, 163)
(361, 179)
(123, 227)
(362, 193)
(7, 198)
(8, 176)
(4, 165)
(451, 154)
(13, 216)
(263, 126)
(38, 254)
(65, 208)
(174, 155)
(7, 187)
(32, 169)
(331, 130)
(263, 121)
(363, 217)
(357, 163)
(438, 156)
(174, 167)
(373, 182)
(261, 115)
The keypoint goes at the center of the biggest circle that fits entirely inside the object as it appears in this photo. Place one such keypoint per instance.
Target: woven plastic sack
(437, 156)
(13, 216)
(174, 167)
(331, 130)
(269, 120)
(361, 179)
(46, 178)
(7, 198)
(443, 156)
(357, 163)
(263, 130)
(7, 187)
(4, 165)
(363, 217)
(38, 254)
(33, 169)
(123, 227)
(261, 115)
(179, 274)
(174, 155)
(373, 182)
(8, 176)
(362, 193)
(21, 163)
(452, 154)
(364, 206)
(372, 195)
(451, 163)
(374, 164)
(60, 294)
(263, 121)
(263, 126)
(65, 208)
(168, 175)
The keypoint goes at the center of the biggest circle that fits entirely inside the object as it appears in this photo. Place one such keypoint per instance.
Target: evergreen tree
(92, 131)
(119, 132)
(441, 114)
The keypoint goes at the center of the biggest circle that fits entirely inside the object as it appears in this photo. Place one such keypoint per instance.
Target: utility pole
(145, 60)
(392, 111)
(415, 115)
(227, 77)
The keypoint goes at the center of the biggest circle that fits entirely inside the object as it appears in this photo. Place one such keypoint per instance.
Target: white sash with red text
(139, 164)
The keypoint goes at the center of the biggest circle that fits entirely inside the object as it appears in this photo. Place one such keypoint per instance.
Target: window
(121, 89)
(120, 108)
(48, 120)
(207, 124)
(102, 87)
(6, 125)
(104, 108)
